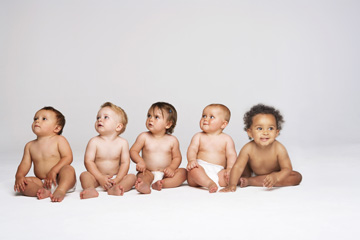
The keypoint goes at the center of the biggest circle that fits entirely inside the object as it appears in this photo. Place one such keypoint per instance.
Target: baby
(211, 153)
(51, 155)
(107, 158)
(160, 158)
(264, 161)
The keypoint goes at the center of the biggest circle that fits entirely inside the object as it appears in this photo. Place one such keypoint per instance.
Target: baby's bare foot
(158, 185)
(58, 195)
(116, 190)
(89, 193)
(244, 182)
(213, 188)
(43, 193)
(142, 187)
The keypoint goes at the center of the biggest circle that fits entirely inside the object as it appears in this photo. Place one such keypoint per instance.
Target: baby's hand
(141, 166)
(106, 182)
(228, 189)
(168, 172)
(227, 175)
(50, 179)
(192, 164)
(20, 184)
(270, 180)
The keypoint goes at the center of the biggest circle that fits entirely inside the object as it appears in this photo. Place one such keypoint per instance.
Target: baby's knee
(297, 177)
(84, 175)
(68, 168)
(182, 172)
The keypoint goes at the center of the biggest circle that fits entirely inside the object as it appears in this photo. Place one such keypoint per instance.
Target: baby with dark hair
(156, 152)
(263, 161)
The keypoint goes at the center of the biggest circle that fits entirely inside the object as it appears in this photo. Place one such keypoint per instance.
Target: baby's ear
(249, 133)
(169, 124)
(119, 127)
(57, 129)
(223, 126)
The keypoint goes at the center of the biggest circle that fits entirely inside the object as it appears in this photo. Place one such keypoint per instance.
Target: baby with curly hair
(263, 161)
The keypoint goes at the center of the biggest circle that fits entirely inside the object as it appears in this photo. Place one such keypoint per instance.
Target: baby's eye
(97, 118)
(44, 119)
(204, 116)
(157, 117)
(271, 128)
(212, 117)
(149, 116)
(259, 128)
(36, 119)
(106, 117)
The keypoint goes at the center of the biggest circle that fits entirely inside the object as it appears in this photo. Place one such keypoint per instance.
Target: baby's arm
(104, 181)
(66, 158)
(230, 156)
(124, 162)
(23, 169)
(176, 159)
(135, 153)
(192, 152)
(285, 168)
(237, 170)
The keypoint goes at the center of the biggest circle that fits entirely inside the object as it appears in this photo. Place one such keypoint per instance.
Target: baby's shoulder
(121, 141)
(248, 147)
(279, 147)
(170, 138)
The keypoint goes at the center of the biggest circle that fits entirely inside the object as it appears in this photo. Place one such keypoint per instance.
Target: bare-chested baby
(51, 155)
(263, 161)
(211, 153)
(107, 158)
(158, 165)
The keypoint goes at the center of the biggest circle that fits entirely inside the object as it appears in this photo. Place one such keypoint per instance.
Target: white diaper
(53, 187)
(157, 176)
(211, 170)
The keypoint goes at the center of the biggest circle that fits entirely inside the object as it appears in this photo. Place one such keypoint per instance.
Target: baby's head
(168, 111)
(262, 109)
(120, 113)
(215, 117)
(50, 112)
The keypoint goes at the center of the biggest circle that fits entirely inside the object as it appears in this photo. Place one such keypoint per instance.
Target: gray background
(299, 56)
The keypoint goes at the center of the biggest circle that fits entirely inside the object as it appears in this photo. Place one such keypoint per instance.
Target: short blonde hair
(224, 108)
(120, 112)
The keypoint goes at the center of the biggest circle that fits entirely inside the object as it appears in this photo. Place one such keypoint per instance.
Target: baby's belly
(213, 158)
(108, 167)
(157, 164)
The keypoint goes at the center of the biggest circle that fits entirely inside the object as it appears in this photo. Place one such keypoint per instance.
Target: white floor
(324, 206)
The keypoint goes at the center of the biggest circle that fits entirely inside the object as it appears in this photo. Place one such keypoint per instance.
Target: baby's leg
(66, 180)
(293, 179)
(124, 185)
(34, 188)
(222, 179)
(143, 182)
(177, 180)
(198, 177)
(88, 183)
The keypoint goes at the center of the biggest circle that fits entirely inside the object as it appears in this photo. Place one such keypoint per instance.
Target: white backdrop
(299, 56)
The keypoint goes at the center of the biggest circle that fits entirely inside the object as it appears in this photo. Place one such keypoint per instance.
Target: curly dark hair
(262, 109)
(171, 112)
